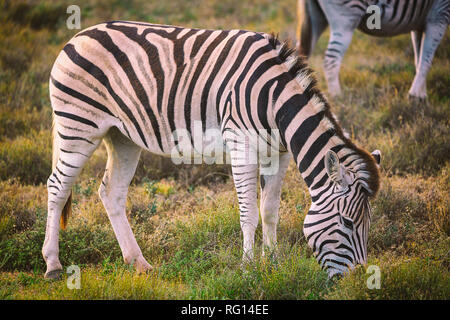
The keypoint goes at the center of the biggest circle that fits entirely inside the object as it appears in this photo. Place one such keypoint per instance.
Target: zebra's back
(149, 80)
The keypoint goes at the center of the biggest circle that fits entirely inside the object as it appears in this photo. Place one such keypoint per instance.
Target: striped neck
(309, 129)
(308, 132)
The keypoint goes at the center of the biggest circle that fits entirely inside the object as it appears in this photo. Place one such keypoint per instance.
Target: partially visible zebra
(427, 20)
(132, 85)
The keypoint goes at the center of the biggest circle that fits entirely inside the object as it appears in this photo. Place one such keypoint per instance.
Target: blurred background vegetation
(186, 218)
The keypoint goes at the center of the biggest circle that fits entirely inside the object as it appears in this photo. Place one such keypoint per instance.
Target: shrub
(154, 167)
(419, 147)
(407, 279)
(19, 206)
(80, 244)
(26, 158)
(43, 15)
(408, 214)
(21, 122)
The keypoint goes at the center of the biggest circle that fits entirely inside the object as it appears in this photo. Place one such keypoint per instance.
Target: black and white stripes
(138, 85)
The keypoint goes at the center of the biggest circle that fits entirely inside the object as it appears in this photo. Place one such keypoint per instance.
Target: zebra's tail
(311, 23)
(67, 210)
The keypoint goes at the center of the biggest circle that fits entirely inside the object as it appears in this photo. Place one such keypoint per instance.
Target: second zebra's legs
(416, 39)
(342, 27)
(123, 157)
(337, 45)
(312, 23)
(436, 25)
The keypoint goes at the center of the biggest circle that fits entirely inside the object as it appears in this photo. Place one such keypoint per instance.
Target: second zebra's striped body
(427, 20)
(133, 85)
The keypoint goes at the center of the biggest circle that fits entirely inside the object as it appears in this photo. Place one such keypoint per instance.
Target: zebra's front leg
(245, 180)
(245, 175)
(437, 23)
(270, 203)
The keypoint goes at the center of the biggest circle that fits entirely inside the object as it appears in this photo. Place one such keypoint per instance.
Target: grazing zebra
(131, 85)
(427, 20)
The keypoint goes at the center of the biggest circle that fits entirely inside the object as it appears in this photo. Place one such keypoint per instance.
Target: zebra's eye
(347, 223)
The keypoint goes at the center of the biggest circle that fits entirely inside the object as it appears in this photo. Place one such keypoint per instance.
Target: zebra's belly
(388, 28)
(214, 147)
(396, 17)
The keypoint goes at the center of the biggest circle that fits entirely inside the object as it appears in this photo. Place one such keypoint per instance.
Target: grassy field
(186, 219)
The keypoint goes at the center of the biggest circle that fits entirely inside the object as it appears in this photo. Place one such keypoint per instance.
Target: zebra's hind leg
(123, 157)
(312, 23)
(70, 154)
(435, 28)
(416, 39)
(270, 203)
(342, 26)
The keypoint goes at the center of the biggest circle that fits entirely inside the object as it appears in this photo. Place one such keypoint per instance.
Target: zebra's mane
(304, 75)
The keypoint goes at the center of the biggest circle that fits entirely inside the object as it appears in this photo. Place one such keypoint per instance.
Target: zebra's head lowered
(341, 176)
(337, 224)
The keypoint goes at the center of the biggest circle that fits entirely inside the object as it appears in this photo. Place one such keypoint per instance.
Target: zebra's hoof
(418, 101)
(53, 275)
(246, 264)
(331, 281)
(142, 266)
(270, 259)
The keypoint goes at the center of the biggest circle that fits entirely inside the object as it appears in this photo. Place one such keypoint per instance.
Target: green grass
(186, 218)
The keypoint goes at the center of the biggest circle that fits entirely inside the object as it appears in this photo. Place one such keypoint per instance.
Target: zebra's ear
(334, 168)
(377, 156)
